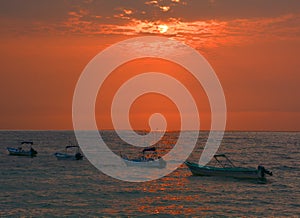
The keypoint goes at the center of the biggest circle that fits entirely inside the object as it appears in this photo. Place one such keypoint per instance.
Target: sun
(162, 28)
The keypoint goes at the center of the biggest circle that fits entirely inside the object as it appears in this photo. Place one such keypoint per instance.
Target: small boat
(22, 152)
(67, 155)
(228, 169)
(149, 159)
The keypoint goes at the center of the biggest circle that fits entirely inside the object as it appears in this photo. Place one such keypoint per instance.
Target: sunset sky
(253, 46)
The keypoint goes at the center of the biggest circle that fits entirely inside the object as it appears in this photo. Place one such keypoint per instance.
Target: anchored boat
(228, 169)
(67, 155)
(149, 159)
(30, 152)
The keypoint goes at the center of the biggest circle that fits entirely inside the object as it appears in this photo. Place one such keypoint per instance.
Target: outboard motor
(262, 171)
(78, 156)
(33, 152)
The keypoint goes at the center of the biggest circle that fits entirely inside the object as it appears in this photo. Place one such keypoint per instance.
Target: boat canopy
(226, 162)
(149, 149)
(219, 155)
(27, 142)
(72, 146)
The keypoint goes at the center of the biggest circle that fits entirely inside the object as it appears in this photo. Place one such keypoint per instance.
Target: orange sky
(253, 46)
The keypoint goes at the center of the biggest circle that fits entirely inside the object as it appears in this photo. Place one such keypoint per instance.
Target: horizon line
(145, 130)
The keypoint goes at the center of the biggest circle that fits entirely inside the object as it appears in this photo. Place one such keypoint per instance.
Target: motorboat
(67, 154)
(20, 151)
(149, 159)
(227, 169)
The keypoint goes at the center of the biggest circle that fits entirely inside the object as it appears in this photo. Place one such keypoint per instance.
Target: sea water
(43, 186)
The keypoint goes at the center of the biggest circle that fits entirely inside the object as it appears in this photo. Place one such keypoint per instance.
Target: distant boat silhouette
(22, 152)
(67, 155)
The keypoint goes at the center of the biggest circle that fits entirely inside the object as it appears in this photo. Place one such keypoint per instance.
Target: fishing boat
(149, 159)
(30, 152)
(228, 169)
(67, 155)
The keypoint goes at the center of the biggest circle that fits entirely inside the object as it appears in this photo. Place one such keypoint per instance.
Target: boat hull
(236, 172)
(17, 152)
(160, 163)
(63, 156)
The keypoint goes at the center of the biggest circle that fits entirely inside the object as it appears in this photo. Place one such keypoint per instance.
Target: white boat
(67, 155)
(228, 169)
(30, 152)
(149, 160)
(149, 163)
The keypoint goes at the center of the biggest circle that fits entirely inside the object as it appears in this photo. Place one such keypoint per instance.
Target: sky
(253, 46)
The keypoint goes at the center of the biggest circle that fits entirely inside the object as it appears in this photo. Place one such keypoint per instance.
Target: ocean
(46, 187)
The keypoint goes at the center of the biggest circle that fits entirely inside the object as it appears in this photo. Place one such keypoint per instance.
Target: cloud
(197, 23)
(165, 8)
(151, 10)
(202, 33)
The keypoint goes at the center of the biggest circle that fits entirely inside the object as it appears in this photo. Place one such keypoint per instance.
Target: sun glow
(162, 28)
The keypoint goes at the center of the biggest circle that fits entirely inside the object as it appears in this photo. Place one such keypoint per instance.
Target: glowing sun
(162, 28)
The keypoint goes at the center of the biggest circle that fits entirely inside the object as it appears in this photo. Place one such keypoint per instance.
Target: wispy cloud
(127, 20)
(200, 33)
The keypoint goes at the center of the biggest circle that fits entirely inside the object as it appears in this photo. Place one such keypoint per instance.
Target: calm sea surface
(43, 186)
